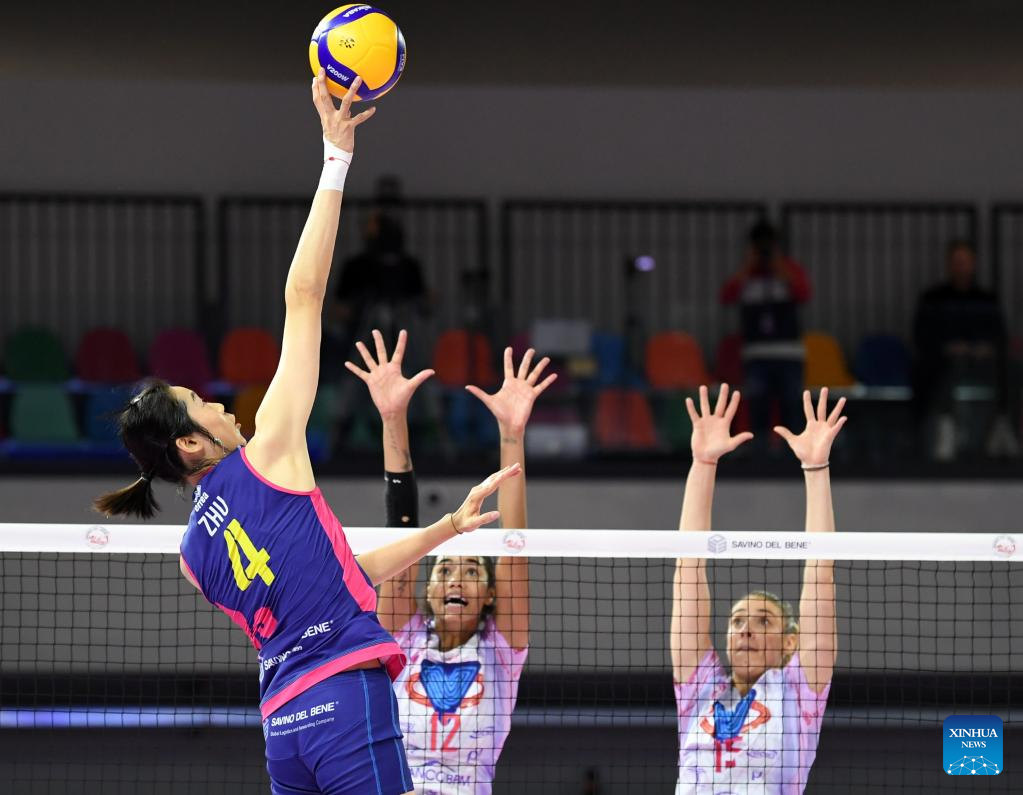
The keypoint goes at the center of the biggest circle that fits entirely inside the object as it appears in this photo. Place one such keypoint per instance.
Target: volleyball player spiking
(263, 545)
(754, 730)
(467, 642)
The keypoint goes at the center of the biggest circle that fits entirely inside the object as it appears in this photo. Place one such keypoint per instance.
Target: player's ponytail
(149, 426)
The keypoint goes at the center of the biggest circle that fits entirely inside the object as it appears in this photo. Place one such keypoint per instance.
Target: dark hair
(490, 567)
(149, 426)
(763, 233)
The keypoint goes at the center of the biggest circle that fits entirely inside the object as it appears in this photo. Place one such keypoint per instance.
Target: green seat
(42, 413)
(35, 354)
(673, 423)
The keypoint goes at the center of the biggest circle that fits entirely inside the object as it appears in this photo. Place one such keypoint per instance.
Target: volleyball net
(118, 677)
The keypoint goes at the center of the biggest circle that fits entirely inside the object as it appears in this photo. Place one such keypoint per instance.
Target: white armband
(335, 167)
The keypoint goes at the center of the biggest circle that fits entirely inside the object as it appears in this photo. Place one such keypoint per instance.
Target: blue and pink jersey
(276, 561)
(456, 707)
(763, 743)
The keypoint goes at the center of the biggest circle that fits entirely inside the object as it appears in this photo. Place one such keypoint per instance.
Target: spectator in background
(960, 338)
(769, 287)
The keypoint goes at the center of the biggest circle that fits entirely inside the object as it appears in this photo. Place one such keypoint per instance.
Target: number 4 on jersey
(238, 544)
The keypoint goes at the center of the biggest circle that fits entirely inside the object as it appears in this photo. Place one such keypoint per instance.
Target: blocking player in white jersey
(755, 730)
(467, 644)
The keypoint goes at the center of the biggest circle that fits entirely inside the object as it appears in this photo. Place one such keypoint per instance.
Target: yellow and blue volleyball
(358, 41)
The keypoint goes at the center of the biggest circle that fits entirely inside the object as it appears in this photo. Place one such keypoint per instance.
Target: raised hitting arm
(818, 636)
(278, 448)
(690, 607)
(391, 393)
(511, 406)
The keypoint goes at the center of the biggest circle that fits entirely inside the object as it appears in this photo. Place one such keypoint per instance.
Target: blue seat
(883, 360)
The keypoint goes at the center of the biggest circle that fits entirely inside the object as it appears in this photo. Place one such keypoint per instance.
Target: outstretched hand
(813, 446)
(712, 430)
(468, 517)
(338, 123)
(389, 389)
(512, 404)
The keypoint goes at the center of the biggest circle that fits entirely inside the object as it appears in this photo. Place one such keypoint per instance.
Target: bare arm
(690, 604)
(511, 407)
(391, 393)
(818, 636)
(278, 448)
(385, 562)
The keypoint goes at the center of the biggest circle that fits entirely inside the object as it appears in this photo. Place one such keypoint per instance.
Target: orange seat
(248, 356)
(623, 421)
(246, 404)
(825, 362)
(674, 361)
(457, 366)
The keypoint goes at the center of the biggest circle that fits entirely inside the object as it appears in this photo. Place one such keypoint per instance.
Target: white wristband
(815, 467)
(335, 167)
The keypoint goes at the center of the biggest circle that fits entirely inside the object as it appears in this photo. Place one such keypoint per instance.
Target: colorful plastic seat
(246, 404)
(883, 360)
(674, 361)
(609, 351)
(728, 360)
(101, 408)
(456, 365)
(623, 421)
(248, 356)
(179, 357)
(35, 355)
(106, 356)
(825, 362)
(42, 413)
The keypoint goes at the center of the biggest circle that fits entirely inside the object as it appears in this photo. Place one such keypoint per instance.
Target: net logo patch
(972, 745)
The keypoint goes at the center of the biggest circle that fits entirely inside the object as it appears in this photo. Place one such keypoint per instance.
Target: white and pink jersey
(760, 744)
(456, 707)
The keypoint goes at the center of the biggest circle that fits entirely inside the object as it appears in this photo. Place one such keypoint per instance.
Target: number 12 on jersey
(238, 544)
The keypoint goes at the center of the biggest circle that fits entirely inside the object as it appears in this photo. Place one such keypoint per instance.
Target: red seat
(106, 356)
(623, 421)
(728, 360)
(248, 356)
(674, 361)
(451, 359)
(179, 356)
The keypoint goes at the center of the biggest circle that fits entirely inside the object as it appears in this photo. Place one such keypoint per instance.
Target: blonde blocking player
(468, 641)
(754, 731)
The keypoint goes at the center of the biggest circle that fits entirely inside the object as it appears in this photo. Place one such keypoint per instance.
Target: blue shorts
(339, 737)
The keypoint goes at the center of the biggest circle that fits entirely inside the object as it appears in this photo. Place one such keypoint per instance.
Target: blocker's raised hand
(338, 123)
(389, 389)
(712, 430)
(512, 404)
(813, 446)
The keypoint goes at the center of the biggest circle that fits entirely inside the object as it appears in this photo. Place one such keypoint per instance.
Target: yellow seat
(825, 362)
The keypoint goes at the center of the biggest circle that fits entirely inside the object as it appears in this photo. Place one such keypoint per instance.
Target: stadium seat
(101, 406)
(179, 356)
(728, 360)
(106, 356)
(42, 413)
(246, 404)
(623, 421)
(35, 355)
(609, 351)
(451, 360)
(674, 361)
(883, 360)
(248, 357)
(825, 362)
